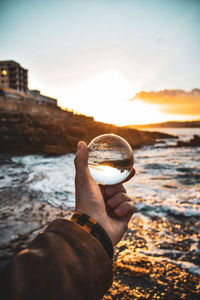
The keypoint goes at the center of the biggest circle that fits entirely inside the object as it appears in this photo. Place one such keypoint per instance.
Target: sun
(139, 112)
(105, 97)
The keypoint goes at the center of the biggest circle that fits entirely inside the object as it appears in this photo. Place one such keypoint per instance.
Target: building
(42, 100)
(13, 76)
(14, 84)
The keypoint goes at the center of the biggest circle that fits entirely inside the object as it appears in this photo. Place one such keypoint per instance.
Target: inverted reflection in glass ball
(110, 159)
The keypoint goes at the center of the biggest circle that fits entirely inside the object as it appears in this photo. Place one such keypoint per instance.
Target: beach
(159, 256)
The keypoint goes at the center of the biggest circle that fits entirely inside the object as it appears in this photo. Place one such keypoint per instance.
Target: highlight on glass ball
(110, 159)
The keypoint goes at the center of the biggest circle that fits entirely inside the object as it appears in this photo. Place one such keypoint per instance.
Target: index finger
(112, 190)
(130, 175)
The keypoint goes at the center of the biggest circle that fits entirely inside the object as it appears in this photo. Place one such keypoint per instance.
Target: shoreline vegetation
(26, 128)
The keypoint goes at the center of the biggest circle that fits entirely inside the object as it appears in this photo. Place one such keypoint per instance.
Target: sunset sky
(96, 57)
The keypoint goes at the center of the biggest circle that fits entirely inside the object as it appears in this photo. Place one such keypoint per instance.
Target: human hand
(110, 206)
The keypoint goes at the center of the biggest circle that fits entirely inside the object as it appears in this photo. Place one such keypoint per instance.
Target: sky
(94, 56)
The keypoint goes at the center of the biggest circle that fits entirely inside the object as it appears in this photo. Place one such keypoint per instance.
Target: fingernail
(80, 144)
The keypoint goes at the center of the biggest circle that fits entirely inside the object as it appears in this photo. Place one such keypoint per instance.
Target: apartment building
(13, 76)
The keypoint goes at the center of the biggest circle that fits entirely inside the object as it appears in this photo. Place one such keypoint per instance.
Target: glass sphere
(110, 159)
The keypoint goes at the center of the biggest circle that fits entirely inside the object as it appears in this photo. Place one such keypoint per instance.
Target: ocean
(165, 229)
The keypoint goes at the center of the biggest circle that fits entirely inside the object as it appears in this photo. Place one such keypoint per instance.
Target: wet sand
(143, 274)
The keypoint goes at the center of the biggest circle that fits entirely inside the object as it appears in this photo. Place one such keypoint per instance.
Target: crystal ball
(110, 159)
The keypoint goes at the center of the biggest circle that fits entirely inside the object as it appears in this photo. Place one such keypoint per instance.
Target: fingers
(130, 175)
(111, 190)
(121, 205)
(116, 200)
(125, 209)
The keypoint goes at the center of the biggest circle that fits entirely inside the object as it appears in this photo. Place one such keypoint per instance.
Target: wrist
(94, 228)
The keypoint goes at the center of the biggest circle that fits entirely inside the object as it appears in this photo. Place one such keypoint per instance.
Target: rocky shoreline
(193, 142)
(26, 128)
(138, 274)
(135, 275)
(21, 219)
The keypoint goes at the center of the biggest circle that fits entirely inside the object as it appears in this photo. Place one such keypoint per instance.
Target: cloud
(173, 101)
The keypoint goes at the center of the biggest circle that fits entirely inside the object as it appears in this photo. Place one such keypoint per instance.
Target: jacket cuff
(94, 228)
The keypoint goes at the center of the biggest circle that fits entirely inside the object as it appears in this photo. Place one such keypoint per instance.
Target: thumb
(84, 185)
(81, 163)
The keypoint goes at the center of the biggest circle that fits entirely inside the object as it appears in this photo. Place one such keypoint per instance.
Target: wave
(158, 256)
(164, 210)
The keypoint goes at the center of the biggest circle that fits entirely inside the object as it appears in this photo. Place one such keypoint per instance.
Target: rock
(55, 149)
(21, 219)
(194, 142)
(27, 128)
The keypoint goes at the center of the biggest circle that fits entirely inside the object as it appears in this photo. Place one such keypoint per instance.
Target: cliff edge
(27, 128)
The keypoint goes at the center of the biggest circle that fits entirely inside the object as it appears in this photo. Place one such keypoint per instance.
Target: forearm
(64, 262)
